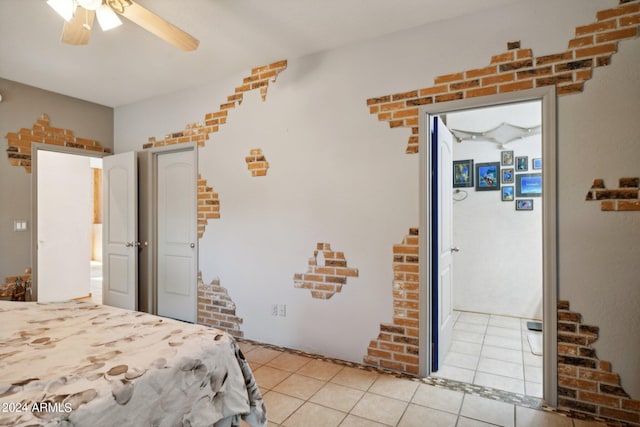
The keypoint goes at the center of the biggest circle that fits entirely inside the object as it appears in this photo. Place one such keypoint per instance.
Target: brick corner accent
(6, 289)
(586, 384)
(396, 346)
(327, 273)
(625, 198)
(19, 150)
(208, 205)
(217, 309)
(517, 69)
(257, 162)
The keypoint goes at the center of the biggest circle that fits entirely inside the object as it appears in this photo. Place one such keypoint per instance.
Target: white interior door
(120, 231)
(177, 235)
(445, 246)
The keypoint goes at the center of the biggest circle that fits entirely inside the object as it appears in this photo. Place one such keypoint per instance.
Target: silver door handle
(132, 244)
(455, 249)
(192, 245)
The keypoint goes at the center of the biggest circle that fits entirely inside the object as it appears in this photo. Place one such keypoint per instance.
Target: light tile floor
(302, 391)
(493, 351)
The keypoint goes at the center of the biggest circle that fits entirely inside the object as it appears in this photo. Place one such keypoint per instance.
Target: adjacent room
(356, 213)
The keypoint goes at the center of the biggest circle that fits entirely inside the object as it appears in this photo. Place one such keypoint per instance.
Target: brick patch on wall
(6, 289)
(586, 384)
(625, 198)
(257, 163)
(208, 205)
(19, 151)
(216, 308)
(327, 273)
(517, 69)
(396, 346)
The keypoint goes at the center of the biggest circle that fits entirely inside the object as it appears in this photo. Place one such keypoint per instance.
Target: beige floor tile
(353, 421)
(355, 378)
(438, 398)
(312, 415)
(269, 377)
(289, 362)
(337, 397)
(299, 386)
(420, 416)
(468, 422)
(246, 347)
(397, 388)
(499, 382)
(487, 410)
(587, 423)
(262, 355)
(526, 417)
(280, 406)
(533, 389)
(380, 409)
(319, 369)
(455, 373)
(500, 367)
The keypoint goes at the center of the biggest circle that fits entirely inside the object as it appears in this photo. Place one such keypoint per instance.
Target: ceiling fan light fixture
(107, 18)
(64, 8)
(90, 4)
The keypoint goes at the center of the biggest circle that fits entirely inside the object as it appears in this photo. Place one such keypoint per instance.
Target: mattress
(80, 364)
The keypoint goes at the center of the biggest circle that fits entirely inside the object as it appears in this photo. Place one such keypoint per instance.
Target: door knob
(192, 245)
(132, 244)
(455, 249)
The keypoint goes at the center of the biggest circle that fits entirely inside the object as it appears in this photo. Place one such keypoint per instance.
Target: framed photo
(507, 176)
(506, 158)
(507, 193)
(529, 185)
(522, 163)
(524, 205)
(536, 164)
(488, 176)
(462, 173)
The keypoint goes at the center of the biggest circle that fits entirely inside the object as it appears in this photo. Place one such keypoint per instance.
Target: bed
(80, 364)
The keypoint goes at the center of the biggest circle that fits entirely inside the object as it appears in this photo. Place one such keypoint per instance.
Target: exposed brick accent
(396, 346)
(19, 151)
(257, 163)
(517, 69)
(208, 205)
(325, 276)
(199, 132)
(624, 198)
(586, 384)
(216, 308)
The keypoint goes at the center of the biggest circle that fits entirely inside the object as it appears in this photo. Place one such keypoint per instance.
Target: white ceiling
(128, 64)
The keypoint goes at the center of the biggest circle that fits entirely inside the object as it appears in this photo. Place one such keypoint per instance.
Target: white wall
(499, 267)
(65, 219)
(338, 176)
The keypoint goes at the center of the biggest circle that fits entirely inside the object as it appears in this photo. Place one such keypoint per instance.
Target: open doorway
(496, 206)
(67, 226)
(483, 205)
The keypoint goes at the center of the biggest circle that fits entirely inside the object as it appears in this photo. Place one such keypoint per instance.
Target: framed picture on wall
(488, 176)
(462, 173)
(524, 205)
(529, 185)
(522, 163)
(506, 158)
(536, 164)
(507, 193)
(507, 176)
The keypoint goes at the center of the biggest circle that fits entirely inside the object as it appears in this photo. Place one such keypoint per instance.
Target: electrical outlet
(274, 309)
(282, 310)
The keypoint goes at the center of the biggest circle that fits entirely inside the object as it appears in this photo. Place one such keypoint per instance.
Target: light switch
(20, 225)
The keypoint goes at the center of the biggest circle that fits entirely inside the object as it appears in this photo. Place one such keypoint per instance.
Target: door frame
(148, 222)
(35, 147)
(547, 96)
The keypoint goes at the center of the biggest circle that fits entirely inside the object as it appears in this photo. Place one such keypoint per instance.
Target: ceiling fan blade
(159, 27)
(78, 30)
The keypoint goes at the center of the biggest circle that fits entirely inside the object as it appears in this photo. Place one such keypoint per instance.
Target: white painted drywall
(499, 267)
(337, 175)
(65, 220)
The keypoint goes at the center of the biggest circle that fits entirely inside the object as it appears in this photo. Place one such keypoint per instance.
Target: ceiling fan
(80, 14)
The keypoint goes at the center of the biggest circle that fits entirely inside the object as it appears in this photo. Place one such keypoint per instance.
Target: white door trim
(547, 96)
(35, 147)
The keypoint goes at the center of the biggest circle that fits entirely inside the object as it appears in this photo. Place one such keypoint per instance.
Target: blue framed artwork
(507, 193)
(488, 176)
(529, 185)
(462, 173)
(524, 205)
(522, 163)
(536, 164)
(507, 176)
